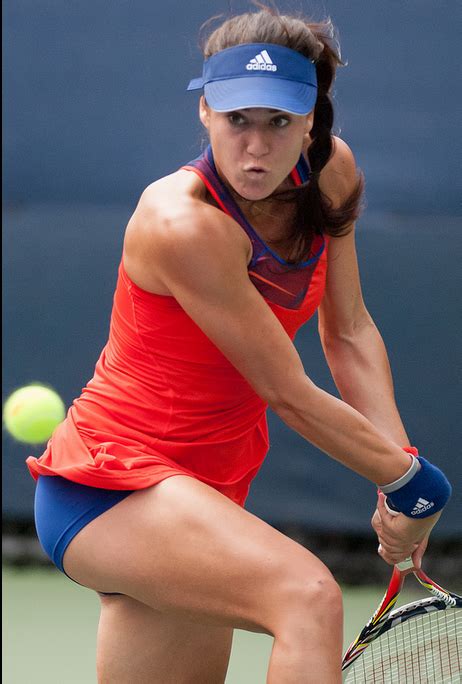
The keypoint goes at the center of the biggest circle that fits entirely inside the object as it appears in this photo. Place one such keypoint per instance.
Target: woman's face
(255, 149)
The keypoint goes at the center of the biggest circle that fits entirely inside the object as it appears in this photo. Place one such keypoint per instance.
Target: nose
(257, 143)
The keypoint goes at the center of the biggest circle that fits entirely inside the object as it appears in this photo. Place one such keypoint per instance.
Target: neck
(255, 208)
(271, 207)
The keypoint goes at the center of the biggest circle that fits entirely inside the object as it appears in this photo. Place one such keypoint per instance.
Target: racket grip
(406, 564)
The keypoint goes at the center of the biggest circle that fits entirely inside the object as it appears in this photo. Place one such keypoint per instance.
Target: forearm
(342, 432)
(361, 371)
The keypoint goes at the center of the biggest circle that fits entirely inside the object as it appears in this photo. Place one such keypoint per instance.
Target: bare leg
(185, 550)
(139, 644)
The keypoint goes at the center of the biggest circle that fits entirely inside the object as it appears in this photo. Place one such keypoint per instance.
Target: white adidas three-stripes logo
(421, 506)
(261, 62)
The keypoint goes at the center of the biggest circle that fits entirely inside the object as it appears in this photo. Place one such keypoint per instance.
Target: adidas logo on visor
(421, 506)
(261, 62)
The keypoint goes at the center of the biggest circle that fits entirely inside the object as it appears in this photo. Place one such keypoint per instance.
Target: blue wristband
(426, 493)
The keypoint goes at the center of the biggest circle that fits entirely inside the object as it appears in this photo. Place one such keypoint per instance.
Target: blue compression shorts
(63, 508)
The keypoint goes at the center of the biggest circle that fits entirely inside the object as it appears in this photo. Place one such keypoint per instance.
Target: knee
(309, 596)
(315, 592)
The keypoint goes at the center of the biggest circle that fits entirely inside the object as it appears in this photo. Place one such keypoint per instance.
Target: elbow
(282, 406)
(348, 335)
(293, 400)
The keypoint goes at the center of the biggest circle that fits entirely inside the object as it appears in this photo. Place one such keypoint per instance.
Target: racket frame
(385, 618)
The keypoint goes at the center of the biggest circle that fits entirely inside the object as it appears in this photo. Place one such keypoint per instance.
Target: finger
(395, 559)
(381, 504)
(399, 550)
(377, 509)
(419, 553)
(417, 559)
(384, 555)
(397, 553)
(394, 543)
(376, 523)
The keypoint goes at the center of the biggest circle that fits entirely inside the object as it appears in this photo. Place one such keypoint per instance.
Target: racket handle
(406, 564)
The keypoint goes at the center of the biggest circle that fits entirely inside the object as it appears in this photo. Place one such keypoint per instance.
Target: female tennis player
(140, 491)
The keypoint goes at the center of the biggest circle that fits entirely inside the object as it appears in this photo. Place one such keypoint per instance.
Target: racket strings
(437, 591)
(426, 649)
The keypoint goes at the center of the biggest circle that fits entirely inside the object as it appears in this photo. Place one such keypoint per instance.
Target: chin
(255, 192)
(255, 196)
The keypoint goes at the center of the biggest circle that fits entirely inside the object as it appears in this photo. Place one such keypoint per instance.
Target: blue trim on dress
(304, 171)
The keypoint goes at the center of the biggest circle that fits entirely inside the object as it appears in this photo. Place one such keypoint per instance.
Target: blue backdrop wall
(96, 108)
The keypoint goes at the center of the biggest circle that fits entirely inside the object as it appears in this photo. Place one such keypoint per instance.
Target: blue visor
(258, 75)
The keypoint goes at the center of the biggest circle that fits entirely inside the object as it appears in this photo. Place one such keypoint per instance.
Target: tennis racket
(419, 643)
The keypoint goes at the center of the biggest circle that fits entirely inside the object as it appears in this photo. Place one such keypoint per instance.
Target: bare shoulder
(340, 175)
(174, 225)
(166, 204)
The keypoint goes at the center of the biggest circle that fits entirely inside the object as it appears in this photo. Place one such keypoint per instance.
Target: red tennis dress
(164, 400)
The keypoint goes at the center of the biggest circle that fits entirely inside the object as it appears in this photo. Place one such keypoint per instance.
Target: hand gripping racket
(419, 643)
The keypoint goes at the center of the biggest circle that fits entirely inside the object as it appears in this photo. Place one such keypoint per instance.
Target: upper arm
(339, 176)
(342, 308)
(198, 258)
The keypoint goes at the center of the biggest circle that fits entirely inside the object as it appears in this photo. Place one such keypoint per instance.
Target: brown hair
(314, 211)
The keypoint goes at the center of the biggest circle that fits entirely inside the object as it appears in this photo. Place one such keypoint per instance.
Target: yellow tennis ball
(31, 413)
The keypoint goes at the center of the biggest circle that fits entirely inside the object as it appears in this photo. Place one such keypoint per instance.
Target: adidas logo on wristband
(403, 494)
(421, 506)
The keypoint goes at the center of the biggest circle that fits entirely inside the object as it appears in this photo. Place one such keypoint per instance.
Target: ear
(309, 122)
(204, 112)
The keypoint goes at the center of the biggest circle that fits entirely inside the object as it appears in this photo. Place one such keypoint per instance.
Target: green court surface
(45, 613)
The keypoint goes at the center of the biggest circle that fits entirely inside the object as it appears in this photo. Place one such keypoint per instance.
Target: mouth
(255, 170)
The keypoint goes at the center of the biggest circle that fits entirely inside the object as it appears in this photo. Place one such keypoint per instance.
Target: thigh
(139, 644)
(181, 547)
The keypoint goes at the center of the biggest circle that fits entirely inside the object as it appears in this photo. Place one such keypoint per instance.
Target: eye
(280, 121)
(236, 119)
